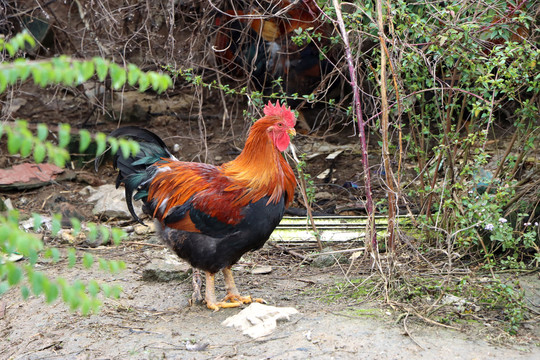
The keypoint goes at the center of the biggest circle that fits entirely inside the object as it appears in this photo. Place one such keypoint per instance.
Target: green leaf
(85, 139)
(14, 143)
(118, 76)
(4, 286)
(87, 70)
(58, 156)
(144, 82)
(10, 49)
(37, 280)
(76, 225)
(154, 80)
(28, 38)
(114, 144)
(26, 146)
(135, 147)
(94, 305)
(106, 289)
(125, 147)
(103, 265)
(93, 288)
(14, 273)
(69, 76)
(42, 73)
(72, 257)
(117, 235)
(85, 306)
(116, 266)
(42, 132)
(12, 76)
(164, 83)
(101, 141)
(101, 68)
(105, 234)
(25, 292)
(64, 135)
(115, 291)
(3, 82)
(133, 74)
(51, 292)
(37, 221)
(32, 256)
(88, 260)
(56, 224)
(39, 152)
(55, 254)
(92, 231)
(22, 68)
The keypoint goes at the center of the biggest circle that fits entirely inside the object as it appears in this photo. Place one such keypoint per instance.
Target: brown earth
(153, 320)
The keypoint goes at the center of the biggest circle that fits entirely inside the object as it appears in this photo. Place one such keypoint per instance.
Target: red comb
(282, 111)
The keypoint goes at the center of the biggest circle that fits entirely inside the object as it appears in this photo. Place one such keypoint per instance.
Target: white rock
(8, 204)
(111, 202)
(258, 320)
(261, 270)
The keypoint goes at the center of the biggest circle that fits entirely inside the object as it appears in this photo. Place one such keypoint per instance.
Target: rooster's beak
(291, 131)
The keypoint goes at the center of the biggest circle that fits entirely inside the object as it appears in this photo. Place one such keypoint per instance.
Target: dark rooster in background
(211, 215)
(260, 45)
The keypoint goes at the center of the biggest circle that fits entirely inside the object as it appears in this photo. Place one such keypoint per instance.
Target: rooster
(211, 215)
(263, 44)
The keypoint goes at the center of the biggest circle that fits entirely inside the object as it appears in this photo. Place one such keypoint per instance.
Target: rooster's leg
(196, 297)
(232, 291)
(210, 295)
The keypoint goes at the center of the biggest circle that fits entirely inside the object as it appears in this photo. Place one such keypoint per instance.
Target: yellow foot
(222, 305)
(236, 298)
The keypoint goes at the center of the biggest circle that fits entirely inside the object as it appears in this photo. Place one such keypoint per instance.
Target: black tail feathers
(135, 172)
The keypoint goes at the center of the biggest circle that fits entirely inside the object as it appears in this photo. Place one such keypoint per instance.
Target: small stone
(6, 205)
(325, 260)
(111, 202)
(261, 270)
(196, 347)
(147, 228)
(323, 195)
(166, 270)
(322, 261)
(66, 237)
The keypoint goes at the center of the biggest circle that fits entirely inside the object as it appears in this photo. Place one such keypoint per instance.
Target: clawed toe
(222, 305)
(236, 298)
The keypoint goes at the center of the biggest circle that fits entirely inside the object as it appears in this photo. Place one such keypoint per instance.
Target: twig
(370, 227)
(291, 252)
(408, 333)
(338, 252)
(428, 320)
(391, 192)
(143, 244)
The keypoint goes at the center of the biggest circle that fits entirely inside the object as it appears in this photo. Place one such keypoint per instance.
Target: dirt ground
(154, 320)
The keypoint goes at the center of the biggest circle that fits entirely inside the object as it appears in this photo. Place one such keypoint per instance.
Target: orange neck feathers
(261, 168)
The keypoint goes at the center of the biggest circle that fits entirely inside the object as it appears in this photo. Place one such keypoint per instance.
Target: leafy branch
(15, 242)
